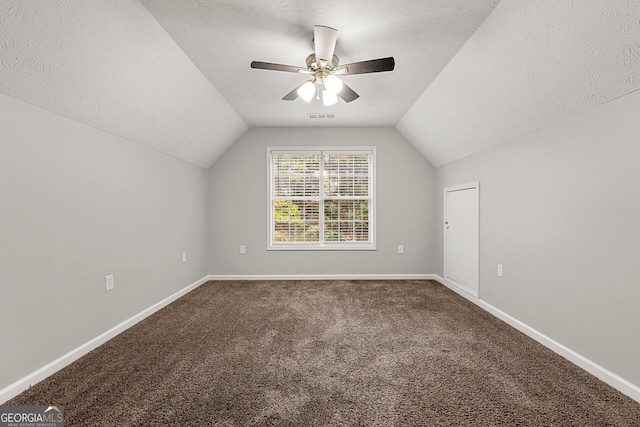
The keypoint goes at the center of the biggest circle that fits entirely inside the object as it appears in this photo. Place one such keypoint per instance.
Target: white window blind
(321, 198)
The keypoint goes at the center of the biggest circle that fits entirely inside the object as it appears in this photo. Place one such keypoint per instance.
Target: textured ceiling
(109, 64)
(175, 75)
(223, 37)
(529, 64)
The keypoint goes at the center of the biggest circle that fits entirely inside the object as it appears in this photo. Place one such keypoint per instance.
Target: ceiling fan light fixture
(333, 84)
(307, 90)
(328, 98)
(323, 64)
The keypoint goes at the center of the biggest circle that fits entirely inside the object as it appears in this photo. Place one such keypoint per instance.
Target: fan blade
(371, 66)
(277, 67)
(293, 94)
(324, 41)
(347, 94)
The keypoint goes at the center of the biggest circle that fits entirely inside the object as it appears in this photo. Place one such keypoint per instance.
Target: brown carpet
(326, 353)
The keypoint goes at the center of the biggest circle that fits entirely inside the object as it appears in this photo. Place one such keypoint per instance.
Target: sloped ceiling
(175, 75)
(529, 64)
(109, 64)
(222, 37)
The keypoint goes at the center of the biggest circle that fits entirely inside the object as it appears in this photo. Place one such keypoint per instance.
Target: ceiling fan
(323, 65)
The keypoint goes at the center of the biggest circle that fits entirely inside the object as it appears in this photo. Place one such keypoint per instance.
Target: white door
(461, 234)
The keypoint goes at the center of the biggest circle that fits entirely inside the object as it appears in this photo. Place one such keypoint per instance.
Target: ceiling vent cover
(321, 115)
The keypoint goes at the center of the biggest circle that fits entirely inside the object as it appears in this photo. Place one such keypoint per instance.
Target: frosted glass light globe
(328, 98)
(333, 84)
(307, 90)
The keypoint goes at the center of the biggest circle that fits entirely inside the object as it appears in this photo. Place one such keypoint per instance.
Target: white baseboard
(24, 383)
(323, 277)
(615, 381)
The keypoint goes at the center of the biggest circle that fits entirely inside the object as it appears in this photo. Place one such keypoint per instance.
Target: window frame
(369, 245)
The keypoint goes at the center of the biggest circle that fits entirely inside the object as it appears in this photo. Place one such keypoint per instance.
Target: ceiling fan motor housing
(313, 65)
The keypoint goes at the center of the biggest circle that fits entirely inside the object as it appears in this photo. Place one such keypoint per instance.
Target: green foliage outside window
(321, 198)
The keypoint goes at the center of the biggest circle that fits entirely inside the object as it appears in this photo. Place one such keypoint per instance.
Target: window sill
(326, 247)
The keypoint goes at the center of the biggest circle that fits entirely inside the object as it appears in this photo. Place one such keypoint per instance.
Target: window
(321, 198)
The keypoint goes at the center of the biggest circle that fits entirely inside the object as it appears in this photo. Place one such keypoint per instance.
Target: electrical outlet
(108, 283)
(499, 270)
(400, 249)
(184, 257)
(243, 249)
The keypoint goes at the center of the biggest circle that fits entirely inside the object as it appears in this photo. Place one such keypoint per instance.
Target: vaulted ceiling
(175, 75)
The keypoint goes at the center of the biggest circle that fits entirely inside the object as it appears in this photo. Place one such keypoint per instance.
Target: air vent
(321, 115)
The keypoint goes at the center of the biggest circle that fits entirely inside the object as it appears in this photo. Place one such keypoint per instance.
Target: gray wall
(238, 209)
(560, 209)
(77, 204)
